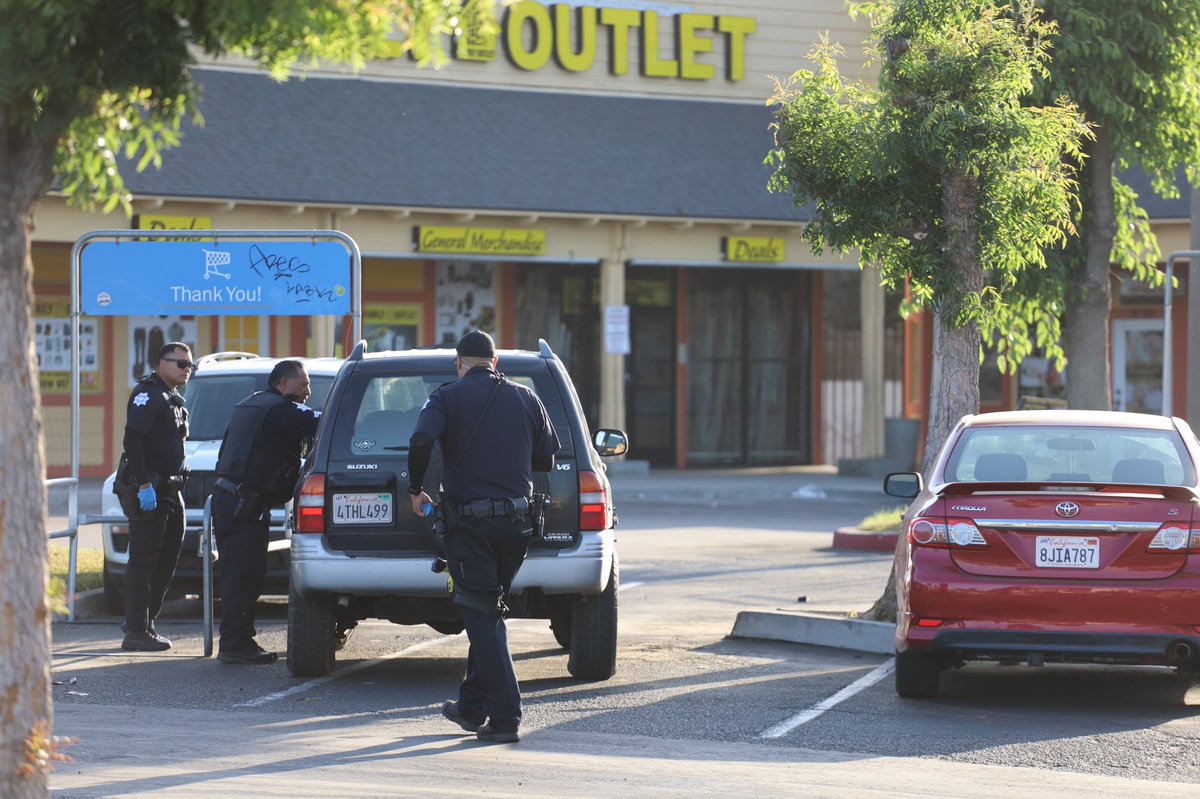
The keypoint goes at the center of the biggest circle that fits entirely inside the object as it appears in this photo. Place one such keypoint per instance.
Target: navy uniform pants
(154, 542)
(483, 557)
(241, 569)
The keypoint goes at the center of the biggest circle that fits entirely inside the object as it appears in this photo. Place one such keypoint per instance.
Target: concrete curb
(864, 541)
(818, 629)
(88, 604)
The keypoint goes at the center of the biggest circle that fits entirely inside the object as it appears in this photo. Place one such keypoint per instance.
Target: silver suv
(222, 380)
(348, 566)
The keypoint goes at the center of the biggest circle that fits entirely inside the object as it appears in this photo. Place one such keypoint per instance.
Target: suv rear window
(210, 400)
(388, 407)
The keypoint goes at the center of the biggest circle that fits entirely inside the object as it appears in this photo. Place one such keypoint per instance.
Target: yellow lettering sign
(652, 65)
(689, 45)
(480, 241)
(751, 250)
(533, 34)
(572, 57)
(541, 39)
(736, 29)
(392, 315)
(161, 222)
(620, 20)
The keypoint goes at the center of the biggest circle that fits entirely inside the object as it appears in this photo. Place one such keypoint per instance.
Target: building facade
(592, 175)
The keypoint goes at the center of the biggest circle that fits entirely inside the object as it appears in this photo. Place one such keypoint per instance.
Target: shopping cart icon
(213, 259)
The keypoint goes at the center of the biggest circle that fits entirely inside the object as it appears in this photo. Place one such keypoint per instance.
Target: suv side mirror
(610, 442)
(905, 485)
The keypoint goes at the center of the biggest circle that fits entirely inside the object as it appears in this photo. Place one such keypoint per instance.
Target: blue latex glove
(426, 509)
(147, 498)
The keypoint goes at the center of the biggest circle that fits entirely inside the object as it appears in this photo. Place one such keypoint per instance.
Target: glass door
(1137, 365)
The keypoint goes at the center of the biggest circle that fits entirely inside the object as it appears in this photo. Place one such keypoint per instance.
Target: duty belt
(227, 485)
(491, 508)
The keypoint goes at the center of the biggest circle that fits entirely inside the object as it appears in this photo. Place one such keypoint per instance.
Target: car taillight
(310, 509)
(1175, 539)
(960, 532)
(593, 504)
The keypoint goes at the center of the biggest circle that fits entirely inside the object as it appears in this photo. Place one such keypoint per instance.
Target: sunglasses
(183, 363)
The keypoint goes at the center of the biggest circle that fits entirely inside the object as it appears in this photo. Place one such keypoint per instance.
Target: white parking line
(344, 672)
(866, 681)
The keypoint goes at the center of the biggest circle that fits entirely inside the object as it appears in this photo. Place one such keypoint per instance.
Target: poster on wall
(148, 334)
(466, 299)
(52, 338)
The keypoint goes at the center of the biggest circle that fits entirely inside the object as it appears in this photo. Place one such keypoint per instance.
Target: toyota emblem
(1066, 509)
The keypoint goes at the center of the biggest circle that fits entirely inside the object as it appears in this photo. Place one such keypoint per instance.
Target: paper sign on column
(616, 329)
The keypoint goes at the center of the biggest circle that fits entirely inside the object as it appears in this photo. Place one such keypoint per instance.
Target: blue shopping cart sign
(200, 278)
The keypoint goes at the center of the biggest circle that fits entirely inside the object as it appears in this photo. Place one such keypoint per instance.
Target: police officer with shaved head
(257, 469)
(495, 434)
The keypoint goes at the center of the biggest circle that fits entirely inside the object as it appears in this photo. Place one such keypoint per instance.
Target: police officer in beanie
(495, 434)
(259, 463)
(150, 484)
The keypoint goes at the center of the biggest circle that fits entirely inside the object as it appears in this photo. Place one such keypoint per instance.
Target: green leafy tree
(1130, 67)
(83, 84)
(944, 176)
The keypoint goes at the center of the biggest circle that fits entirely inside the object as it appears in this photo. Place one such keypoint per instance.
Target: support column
(871, 303)
(612, 367)
(322, 335)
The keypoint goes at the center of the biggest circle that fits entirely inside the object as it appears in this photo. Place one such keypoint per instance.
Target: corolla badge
(970, 508)
(1066, 509)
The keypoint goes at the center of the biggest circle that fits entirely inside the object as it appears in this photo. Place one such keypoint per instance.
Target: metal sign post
(1167, 377)
(203, 273)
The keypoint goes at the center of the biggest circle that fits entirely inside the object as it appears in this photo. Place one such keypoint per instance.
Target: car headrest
(1001, 467)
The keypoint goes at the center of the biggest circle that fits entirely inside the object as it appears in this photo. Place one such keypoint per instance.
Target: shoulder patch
(141, 399)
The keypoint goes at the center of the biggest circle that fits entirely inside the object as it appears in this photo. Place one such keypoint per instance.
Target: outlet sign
(531, 35)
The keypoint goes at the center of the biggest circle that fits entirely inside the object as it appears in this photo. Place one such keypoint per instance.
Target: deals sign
(199, 278)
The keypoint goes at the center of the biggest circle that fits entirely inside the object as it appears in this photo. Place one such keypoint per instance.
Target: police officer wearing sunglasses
(496, 433)
(153, 472)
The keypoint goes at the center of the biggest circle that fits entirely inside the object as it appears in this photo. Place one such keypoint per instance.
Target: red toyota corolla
(1051, 536)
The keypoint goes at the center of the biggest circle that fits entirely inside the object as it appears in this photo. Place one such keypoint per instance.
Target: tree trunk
(954, 379)
(1086, 339)
(25, 710)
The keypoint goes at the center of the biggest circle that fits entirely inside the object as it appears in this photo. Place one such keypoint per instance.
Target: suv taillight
(593, 504)
(310, 509)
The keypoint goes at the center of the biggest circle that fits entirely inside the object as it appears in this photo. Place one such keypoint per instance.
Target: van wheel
(593, 633)
(114, 593)
(312, 634)
(917, 674)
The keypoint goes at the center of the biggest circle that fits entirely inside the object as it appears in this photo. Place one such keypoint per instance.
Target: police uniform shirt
(290, 425)
(158, 414)
(515, 439)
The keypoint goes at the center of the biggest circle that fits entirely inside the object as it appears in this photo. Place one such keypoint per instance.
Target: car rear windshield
(384, 409)
(1070, 454)
(210, 400)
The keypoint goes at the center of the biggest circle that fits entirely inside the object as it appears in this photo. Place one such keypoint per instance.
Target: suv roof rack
(230, 355)
(360, 349)
(544, 349)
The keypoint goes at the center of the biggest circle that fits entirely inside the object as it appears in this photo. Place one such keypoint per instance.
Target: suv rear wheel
(593, 632)
(312, 634)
